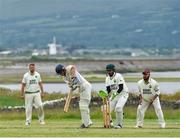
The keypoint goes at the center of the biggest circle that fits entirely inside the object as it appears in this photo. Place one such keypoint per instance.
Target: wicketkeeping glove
(103, 94)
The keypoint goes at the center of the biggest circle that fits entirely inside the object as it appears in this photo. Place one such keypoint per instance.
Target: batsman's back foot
(27, 123)
(162, 126)
(83, 126)
(118, 126)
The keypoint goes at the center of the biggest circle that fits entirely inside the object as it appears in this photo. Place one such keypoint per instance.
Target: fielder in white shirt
(119, 93)
(149, 95)
(77, 82)
(31, 91)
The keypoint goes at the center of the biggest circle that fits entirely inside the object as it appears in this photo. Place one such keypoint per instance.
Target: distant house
(5, 52)
(41, 52)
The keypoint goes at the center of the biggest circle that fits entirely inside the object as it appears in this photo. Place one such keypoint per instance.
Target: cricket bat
(68, 100)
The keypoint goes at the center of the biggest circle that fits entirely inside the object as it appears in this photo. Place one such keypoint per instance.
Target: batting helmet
(110, 67)
(59, 68)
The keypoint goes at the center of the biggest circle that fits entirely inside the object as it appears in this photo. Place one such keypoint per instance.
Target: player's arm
(41, 85)
(24, 81)
(120, 88)
(73, 71)
(140, 94)
(76, 82)
(108, 89)
(70, 85)
(120, 82)
(157, 91)
(22, 90)
(153, 98)
(41, 88)
(140, 98)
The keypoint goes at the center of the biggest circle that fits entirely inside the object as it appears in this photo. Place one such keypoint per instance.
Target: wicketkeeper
(77, 82)
(149, 95)
(116, 87)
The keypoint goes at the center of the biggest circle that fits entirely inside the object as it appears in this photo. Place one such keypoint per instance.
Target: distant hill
(92, 23)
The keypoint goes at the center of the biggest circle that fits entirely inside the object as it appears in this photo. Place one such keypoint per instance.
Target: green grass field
(70, 128)
(59, 124)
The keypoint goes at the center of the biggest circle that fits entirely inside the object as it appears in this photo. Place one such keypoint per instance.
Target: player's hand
(140, 101)
(151, 101)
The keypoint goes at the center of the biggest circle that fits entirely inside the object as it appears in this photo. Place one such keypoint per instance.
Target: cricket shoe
(138, 126)
(162, 126)
(118, 126)
(90, 124)
(42, 123)
(83, 126)
(27, 123)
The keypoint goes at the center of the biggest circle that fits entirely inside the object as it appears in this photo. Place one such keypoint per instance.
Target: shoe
(83, 126)
(27, 123)
(42, 123)
(118, 126)
(90, 124)
(138, 126)
(162, 126)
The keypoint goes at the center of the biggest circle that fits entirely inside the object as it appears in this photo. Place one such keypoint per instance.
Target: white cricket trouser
(117, 104)
(85, 98)
(142, 109)
(30, 100)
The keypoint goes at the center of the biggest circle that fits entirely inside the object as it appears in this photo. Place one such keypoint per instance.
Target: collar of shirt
(31, 74)
(112, 76)
(149, 81)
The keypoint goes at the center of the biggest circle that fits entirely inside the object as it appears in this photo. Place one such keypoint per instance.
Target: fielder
(77, 82)
(149, 94)
(116, 87)
(31, 91)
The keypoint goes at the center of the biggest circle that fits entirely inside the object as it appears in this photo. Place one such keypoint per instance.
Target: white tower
(53, 47)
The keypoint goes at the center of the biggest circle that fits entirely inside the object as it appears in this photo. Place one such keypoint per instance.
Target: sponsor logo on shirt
(114, 87)
(146, 91)
(150, 86)
(32, 81)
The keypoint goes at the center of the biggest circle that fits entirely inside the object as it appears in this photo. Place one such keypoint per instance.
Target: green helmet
(110, 67)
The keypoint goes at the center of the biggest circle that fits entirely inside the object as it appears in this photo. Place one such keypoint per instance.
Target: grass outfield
(70, 128)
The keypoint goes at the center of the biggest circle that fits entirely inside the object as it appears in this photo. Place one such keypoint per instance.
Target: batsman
(77, 82)
(118, 91)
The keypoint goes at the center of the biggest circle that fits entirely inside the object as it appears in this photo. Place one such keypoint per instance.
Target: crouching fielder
(118, 90)
(149, 94)
(32, 90)
(76, 81)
